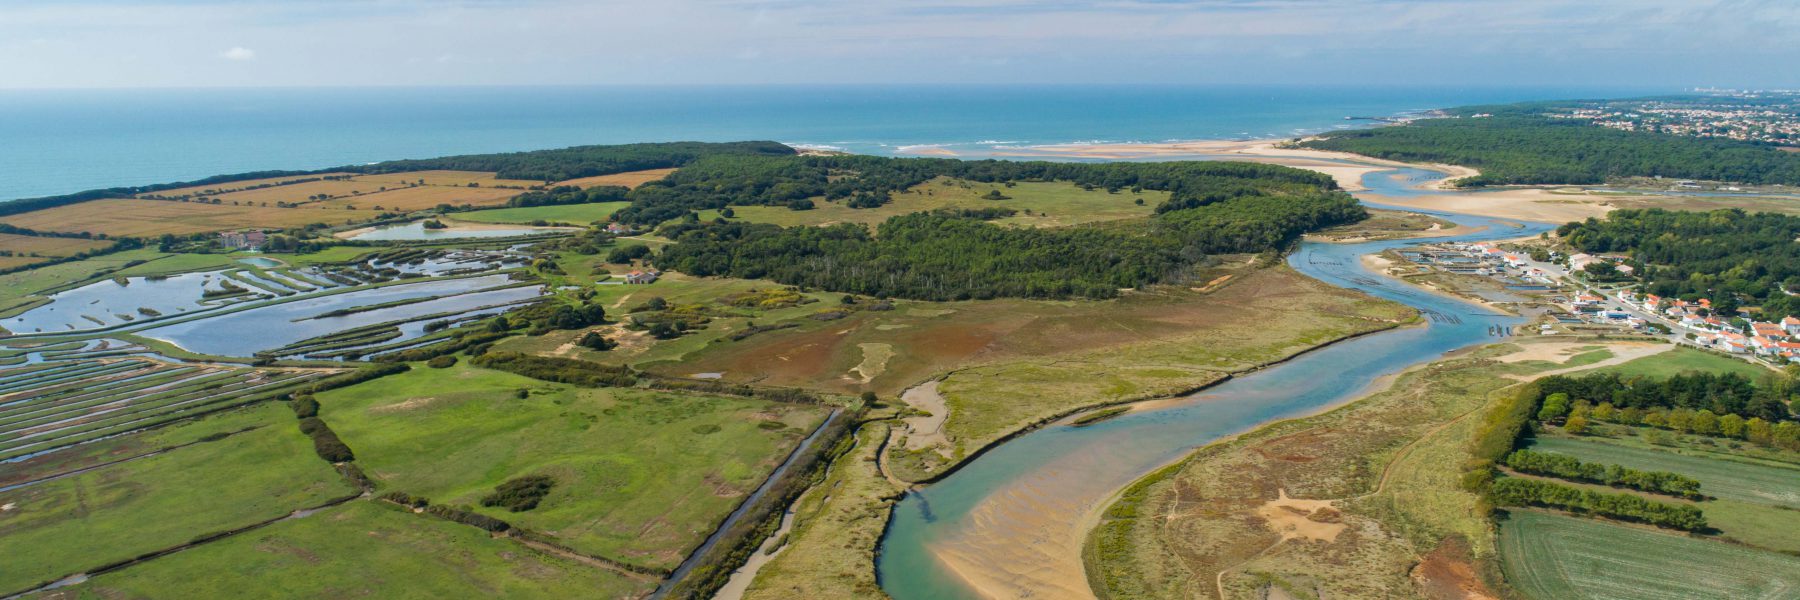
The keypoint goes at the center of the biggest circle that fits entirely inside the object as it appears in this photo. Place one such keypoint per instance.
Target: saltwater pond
(108, 303)
(246, 332)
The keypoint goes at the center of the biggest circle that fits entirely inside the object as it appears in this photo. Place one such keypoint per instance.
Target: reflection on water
(417, 231)
(1021, 505)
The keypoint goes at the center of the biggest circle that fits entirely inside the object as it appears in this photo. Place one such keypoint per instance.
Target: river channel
(1010, 523)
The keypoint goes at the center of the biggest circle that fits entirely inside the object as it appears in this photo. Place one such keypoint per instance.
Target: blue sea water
(62, 141)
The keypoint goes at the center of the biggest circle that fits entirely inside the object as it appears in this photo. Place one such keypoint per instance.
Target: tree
(1556, 406)
(1576, 425)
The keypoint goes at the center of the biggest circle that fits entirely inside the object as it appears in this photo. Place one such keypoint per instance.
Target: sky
(204, 43)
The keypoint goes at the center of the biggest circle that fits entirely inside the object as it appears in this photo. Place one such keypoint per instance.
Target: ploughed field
(1555, 556)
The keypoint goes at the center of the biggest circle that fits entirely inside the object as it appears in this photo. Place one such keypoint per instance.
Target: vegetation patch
(520, 494)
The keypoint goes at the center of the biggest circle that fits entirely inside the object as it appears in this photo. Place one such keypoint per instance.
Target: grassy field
(361, 550)
(1553, 556)
(8, 262)
(18, 286)
(1684, 359)
(63, 526)
(627, 179)
(1051, 205)
(567, 213)
(421, 198)
(1388, 464)
(446, 178)
(1742, 481)
(299, 192)
(642, 476)
(151, 218)
(48, 246)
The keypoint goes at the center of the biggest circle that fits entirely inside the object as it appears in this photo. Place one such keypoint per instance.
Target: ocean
(63, 141)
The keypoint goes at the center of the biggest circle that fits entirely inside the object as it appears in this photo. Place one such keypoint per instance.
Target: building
(641, 277)
(249, 239)
(618, 228)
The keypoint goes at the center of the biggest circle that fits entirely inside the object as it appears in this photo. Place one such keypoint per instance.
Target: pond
(246, 332)
(260, 262)
(108, 303)
(417, 231)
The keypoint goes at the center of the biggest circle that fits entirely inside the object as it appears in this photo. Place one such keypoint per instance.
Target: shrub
(520, 494)
(1512, 491)
(1568, 467)
(305, 406)
(560, 370)
(468, 517)
(441, 362)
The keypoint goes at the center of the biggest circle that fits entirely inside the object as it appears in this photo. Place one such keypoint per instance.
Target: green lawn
(1664, 364)
(642, 476)
(1053, 204)
(579, 214)
(1553, 557)
(63, 526)
(362, 549)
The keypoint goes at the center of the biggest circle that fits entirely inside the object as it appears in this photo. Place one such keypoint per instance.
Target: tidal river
(1010, 523)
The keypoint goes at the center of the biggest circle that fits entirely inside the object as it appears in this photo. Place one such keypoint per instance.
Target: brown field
(220, 188)
(299, 192)
(8, 262)
(628, 179)
(148, 218)
(48, 246)
(421, 198)
(445, 178)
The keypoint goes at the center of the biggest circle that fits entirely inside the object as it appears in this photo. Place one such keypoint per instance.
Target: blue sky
(118, 43)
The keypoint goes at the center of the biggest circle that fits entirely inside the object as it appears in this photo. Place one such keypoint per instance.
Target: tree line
(1728, 256)
(1527, 148)
(1514, 491)
(1568, 467)
(1721, 394)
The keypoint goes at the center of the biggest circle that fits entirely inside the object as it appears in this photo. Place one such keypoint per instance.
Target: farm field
(221, 188)
(1553, 556)
(48, 246)
(566, 213)
(629, 179)
(113, 513)
(408, 199)
(1726, 479)
(642, 476)
(1342, 504)
(299, 192)
(361, 550)
(1052, 205)
(8, 262)
(1683, 359)
(445, 178)
(151, 218)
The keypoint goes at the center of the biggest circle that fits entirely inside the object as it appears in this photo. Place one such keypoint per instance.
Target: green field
(1683, 359)
(361, 550)
(63, 526)
(1725, 479)
(1552, 557)
(642, 476)
(579, 214)
(1053, 204)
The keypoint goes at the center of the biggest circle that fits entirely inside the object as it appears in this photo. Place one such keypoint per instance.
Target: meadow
(1683, 359)
(48, 246)
(628, 179)
(642, 476)
(1554, 556)
(362, 550)
(63, 526)
(213, 189)
(409, 199)
(445, 178)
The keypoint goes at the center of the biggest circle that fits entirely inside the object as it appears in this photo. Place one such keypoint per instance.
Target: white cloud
(238, 53)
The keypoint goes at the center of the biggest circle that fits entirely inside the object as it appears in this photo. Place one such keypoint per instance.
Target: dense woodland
(1720, 394)
(1214, 208)
(1523, 148)
(1728, 256)
(579, 161)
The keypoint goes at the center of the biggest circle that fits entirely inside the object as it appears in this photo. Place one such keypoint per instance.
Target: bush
(520, 494)
(560, 370)
(468, 517)
(1512, 491)
(1568, 467)
(305, 406)
(405, 499)
(441, 362)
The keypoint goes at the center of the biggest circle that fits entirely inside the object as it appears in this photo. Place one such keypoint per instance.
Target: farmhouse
(641, 277)
(249, 239)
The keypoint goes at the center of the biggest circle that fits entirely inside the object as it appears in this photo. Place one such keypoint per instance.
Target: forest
(579, 161)
(1721, 394)
(1524, 148)
(1728, 256)
(1214, 208)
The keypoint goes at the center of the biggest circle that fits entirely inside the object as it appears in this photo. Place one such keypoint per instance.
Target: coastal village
(1566, 300)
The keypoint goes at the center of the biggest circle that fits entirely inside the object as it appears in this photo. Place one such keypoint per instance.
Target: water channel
(1011, 521)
